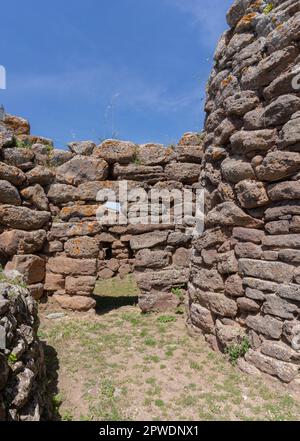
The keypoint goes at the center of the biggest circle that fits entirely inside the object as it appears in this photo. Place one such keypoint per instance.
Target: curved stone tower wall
(245, 283)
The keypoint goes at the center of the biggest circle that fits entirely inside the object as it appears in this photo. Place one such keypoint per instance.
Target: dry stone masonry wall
(50, 232)
(243, 272)
(245, 283)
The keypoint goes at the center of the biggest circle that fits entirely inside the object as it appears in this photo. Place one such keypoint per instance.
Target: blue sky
(93, 69)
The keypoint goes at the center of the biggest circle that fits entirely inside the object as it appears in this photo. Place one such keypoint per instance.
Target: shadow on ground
(107, 304)
(52, 372)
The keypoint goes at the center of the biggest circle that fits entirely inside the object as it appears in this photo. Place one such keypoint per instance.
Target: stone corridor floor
(122, 365)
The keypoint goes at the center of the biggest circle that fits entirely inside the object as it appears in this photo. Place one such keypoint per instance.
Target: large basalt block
(18, 125)
(12, 174)
(162, 280)
(290, 133)
(80, 286)
(289, 190)
(278, 307)
(229, 214)
(40, 175)
(72, 267)
(78, 211)
(248, 235)
(6, 136)
(112, 150)
(251, 141)
(183, 172)
(234, 286)
(75, 303)
(282, 241)
(261, 75)
(82, 248)
(62, 194)
(244, 101)
(19, 157)
(36, 196)
(9, 194)
(148, 240)
(84, 148)
(269, 326)
(22, 218)
(278, 165)
(283, 35)
(289, 292)
(251, 194)
(82, 169)
(202, 318)
(59, 157)
(156, 300)
(285, 371)
(236, 169)
(136, 172)
(22, 242)
(210, 239)
(237, 11)
(31, 267)
(189, 153)
(145, 259)
(229, 335)
(54, 282)
(209, 279)
(261, 269)
(280, 351)
(70, 229)
(218, 303)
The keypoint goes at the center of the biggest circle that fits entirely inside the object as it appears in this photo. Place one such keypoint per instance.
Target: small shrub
(17, 281)
(67, 416)
(23, 144)
(180, 310)
(201, 136)
(57, 401)
(150, 342)
(159, 403)
(269, 8)
(12, 359)
(239, 350)
(50, 149)
(136, 159)
(178, 292)
(166, 319)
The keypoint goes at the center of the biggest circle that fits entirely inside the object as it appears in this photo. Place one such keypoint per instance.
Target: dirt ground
(118, 364)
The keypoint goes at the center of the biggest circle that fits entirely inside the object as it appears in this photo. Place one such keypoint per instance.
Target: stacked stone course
(50, 232)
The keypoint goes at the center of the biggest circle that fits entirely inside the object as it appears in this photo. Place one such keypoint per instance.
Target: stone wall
(48, 206)
(245, 283)
(23, 382)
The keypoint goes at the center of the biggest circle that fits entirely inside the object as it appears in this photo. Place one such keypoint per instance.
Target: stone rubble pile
(23, 381)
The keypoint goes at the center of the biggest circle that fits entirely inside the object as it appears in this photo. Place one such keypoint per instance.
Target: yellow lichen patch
(256, 5)
(246, 21)
(227, 81)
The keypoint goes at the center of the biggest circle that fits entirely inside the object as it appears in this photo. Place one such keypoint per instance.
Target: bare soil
(119, 364)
